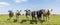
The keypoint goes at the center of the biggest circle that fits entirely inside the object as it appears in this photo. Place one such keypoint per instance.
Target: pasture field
(54, 20)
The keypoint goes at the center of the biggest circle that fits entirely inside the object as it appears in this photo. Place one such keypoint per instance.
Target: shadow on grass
(23, 21)
(15, 20)
(35, 21)
(31, 21)
(42, 21)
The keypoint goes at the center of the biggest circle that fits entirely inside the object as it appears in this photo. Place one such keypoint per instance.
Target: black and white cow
(18, 14)
(27, 14)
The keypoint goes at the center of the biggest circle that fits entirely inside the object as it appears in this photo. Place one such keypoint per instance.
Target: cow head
(10, 11)
(27, 10)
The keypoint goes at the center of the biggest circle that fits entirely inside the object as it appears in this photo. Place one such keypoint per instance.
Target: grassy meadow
(54, 20)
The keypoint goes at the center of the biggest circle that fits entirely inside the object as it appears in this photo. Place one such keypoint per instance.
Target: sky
(14, 5)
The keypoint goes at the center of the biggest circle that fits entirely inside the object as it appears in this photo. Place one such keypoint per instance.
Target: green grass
(54, 20)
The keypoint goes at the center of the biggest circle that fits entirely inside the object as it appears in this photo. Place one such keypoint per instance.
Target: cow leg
(27, 17)
(35, 17)
(17, 17)
(35, 20)
(44, 18)
(32, 17)
(10, 17)
(38, 18)
(48, 17)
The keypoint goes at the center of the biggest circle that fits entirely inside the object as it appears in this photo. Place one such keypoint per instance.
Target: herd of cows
(35, 14)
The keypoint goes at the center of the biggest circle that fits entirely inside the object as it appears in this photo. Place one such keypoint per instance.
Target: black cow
(11, 14)
(39, 14)
(34, 15)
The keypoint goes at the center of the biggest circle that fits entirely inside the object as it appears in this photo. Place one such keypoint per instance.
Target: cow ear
(20, 10)
(51, 9)
(28, 10)
(25, 10)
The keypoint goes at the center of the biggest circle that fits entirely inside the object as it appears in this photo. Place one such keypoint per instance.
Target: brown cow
(47, 14)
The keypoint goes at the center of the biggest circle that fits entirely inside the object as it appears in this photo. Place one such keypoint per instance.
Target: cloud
(2, 4)
(19, 1)
(24, 0)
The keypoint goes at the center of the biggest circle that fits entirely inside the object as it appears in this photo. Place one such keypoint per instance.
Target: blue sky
(14, 5)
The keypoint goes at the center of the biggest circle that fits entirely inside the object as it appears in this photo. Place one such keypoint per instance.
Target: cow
(47, 13)
(44, 13)
(34, 15)
(27, 14)
(39, 14)
(11, 14)
(18, 14)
